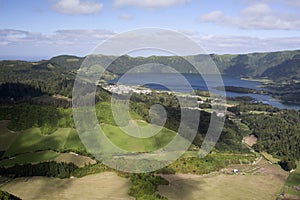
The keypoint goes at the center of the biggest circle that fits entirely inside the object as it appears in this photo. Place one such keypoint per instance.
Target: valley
(39, 140)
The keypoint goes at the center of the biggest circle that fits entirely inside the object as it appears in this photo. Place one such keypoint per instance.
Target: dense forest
(277, 130)
(49, 169)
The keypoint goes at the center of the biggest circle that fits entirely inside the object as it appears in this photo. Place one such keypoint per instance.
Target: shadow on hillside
(182, 186)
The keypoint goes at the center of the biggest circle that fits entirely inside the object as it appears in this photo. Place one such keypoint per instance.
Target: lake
(175, 82)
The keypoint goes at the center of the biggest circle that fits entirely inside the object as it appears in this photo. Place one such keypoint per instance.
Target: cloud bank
(76, 7)
(255, 16)
(82, 42)
(148, 3)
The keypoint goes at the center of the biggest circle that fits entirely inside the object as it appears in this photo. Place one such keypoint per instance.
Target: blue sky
(45, 28)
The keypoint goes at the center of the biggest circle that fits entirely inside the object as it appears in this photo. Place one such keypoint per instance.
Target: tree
(287, 164)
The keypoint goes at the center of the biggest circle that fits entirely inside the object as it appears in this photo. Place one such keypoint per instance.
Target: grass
(243, 127)
(292, 191)
(6, 136)
(218, 186)
(73, 142)
(32, 140)
(78, 160)
(212, 162)
(270, 158)
(98, 186)
(104, 113)
(221, 187)
(293, 180)
(133, 144)
(29, 158)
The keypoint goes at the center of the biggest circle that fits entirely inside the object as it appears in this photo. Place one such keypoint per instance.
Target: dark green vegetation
(57, 75)
(231, 136)
(144, 186)
(278, 66)
(7, 196)
(288, 92)
(24, 116)
(252, 65)
(277, 131)
(208, 164)
(242, 90)
(50, 169)
(35, 99)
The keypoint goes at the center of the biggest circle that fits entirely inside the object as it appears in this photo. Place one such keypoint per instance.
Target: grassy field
(133, 144)
(270, 158)
(29, 158)
(98, 186)
(264, 184)
(73, 142)
(293, 181)
(32, 140)
(104, 113)
(6, 136)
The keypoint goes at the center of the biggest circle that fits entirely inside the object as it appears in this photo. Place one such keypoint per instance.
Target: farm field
(32, 140)
(130, 143)
(264, 182)
(6, 136)
(29, 158)
(98, 186)
(78, 160)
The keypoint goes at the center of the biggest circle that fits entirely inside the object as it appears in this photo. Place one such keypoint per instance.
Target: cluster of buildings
(125, 89)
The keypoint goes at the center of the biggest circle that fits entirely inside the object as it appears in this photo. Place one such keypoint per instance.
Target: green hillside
(269, 64)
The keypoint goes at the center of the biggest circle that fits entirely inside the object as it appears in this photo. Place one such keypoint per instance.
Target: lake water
(176, 82)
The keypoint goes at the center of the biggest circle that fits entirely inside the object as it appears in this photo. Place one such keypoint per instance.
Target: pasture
(98, 186)
(6, 136)
(263, 183)
(134, 144)
(31, 140)
(29, 158)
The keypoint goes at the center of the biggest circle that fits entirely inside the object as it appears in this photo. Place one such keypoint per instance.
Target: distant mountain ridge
(277, 66)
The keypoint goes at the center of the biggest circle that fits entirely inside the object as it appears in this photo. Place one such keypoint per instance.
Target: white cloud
(126, 17)
(81, 42)
(259, 8)
(25, 43)
(293, 3)
(149, 3)
(75, 7)
(243, 44)
(256, 16)
(212, 16)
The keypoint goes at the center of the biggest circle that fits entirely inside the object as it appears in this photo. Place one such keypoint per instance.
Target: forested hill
(278, 66)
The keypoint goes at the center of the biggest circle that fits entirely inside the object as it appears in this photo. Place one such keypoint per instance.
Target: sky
(45, 28)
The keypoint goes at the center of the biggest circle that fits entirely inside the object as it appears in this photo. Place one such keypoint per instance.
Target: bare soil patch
(250, 140)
